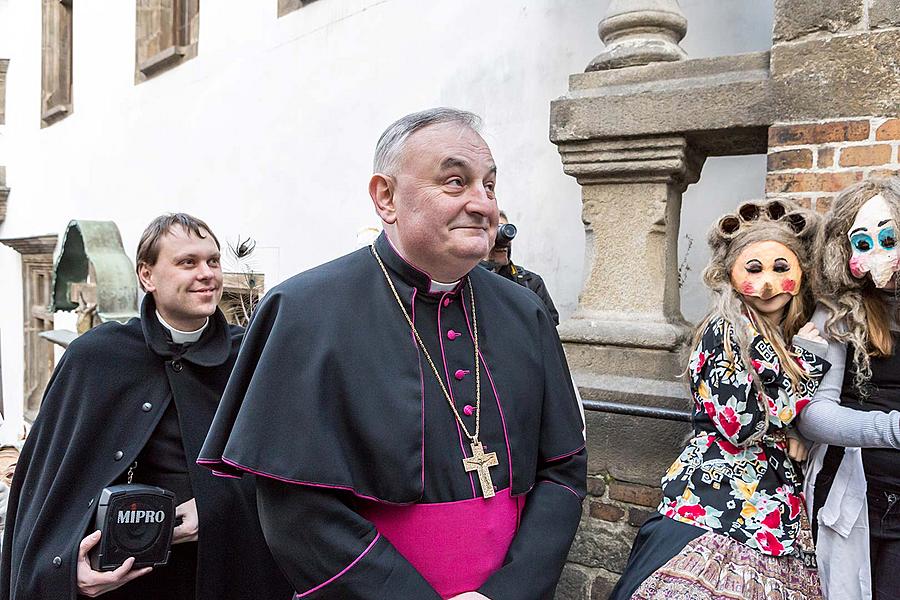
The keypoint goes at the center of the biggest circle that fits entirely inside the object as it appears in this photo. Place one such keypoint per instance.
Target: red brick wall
(811, 162)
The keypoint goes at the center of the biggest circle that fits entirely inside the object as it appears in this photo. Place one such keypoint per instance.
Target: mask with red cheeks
(766, 269)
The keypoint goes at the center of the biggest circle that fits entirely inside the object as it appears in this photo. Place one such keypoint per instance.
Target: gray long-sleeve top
(825, 421)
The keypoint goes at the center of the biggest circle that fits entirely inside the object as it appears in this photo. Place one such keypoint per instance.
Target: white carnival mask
(874, 242)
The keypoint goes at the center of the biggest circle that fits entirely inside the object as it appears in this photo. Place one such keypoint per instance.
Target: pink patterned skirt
(716, 567)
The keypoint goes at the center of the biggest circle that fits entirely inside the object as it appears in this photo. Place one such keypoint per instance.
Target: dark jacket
(102, 404)
(533, 282)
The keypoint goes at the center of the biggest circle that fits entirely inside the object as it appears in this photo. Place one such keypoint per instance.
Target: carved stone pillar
(628, 326)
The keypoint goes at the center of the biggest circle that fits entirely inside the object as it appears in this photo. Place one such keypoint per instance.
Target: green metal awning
(95, 246)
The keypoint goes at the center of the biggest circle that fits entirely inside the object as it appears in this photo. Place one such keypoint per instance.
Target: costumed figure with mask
(732, 522)
(853, 474)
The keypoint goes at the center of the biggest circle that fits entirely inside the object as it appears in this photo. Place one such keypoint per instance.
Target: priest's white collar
(182, 337)
(437, 286)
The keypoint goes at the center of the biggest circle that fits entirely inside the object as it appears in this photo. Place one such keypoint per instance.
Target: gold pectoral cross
(481, 462)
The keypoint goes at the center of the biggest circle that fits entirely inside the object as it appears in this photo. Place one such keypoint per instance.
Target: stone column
(628, 324)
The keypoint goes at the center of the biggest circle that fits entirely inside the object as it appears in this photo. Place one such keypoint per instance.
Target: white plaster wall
(716, 28)
(10, 274)
(269, 132)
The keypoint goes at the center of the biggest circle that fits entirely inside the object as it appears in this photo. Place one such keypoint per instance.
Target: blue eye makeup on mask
(887, 239)
(862, 242)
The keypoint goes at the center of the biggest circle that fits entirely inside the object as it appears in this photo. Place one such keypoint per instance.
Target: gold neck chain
(473, 438)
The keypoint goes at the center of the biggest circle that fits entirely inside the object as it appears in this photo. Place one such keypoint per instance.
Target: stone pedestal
(626, 341)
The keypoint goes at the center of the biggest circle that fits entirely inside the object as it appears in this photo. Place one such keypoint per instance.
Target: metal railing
(651, 412)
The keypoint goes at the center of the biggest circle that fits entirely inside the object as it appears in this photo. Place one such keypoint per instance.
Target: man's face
(500, 256)
(186, 280)
(445, 209)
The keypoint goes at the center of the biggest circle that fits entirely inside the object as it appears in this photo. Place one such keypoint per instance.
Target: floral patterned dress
(734, 476)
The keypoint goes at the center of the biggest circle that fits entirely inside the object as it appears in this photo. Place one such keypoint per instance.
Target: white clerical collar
(437, 286)
(182, 337)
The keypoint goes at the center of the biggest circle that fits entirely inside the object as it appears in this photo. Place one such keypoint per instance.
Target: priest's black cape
(325, 395)
(108, 393)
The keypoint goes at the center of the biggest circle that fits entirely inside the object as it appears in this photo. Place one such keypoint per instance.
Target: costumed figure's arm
(327, 550)
(789, 399)
(826, 421)
(724, 389)
(534, 562)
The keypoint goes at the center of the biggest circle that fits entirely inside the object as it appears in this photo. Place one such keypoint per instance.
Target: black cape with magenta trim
(92, 425)
(326, 388)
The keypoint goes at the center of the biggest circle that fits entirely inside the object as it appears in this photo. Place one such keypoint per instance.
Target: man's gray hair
(391, 142)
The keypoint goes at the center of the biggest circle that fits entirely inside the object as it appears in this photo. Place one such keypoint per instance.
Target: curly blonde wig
(857, 314)
(779, 220)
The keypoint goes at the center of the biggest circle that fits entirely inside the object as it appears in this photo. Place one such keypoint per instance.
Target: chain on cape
(474, 438)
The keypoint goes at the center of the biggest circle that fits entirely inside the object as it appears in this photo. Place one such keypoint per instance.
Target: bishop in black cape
(361, 487)
(109, 392)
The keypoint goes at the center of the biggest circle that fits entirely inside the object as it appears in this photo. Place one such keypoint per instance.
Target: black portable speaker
(134, 520)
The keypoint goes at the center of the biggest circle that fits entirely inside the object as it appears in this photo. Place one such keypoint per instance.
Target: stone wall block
(797, 18)
(602, 587)
(884, 13)
(574, 584)
(641, 495)
(790, 159)
(626, 160)
(606, 512)
(818, 133)
(783, 183)
(633, 448)
(637, 516)
(596, 486)
(825, 159)
(889, 130)
(644, 361)
(723, 103)
(865, 156)
(602, 544)
(645, 208)
(837, 77)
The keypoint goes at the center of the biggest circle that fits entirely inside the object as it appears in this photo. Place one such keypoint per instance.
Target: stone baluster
(640, 32)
